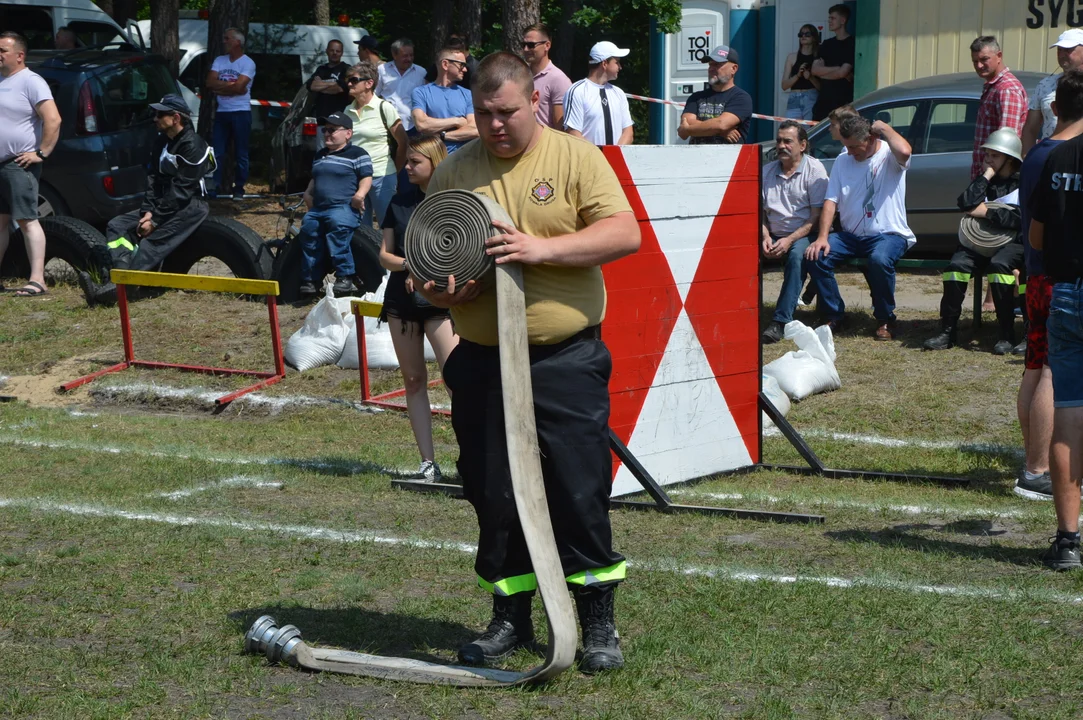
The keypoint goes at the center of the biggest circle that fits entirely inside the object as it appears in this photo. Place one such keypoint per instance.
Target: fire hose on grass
(446, 236)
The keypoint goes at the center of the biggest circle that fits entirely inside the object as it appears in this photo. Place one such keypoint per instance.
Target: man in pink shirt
(549, 80)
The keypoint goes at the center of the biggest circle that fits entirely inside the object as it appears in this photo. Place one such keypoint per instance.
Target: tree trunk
(322, 11)
(518, 15)
(470, 21)
(564, 43)
(163, 32)
(224, 14)
(441, 19)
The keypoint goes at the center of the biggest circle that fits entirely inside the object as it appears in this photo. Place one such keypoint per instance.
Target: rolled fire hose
(447, 235)
(983, 236)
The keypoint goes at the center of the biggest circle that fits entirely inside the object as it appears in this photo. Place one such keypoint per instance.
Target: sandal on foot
(31, 289)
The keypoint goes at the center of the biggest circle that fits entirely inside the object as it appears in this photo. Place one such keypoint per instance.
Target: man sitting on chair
(868, 187)
(173, 206)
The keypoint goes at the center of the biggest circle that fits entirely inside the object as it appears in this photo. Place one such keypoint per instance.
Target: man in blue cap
(172, 208)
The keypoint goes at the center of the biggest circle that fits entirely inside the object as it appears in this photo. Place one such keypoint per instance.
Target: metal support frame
(362, 309)
(662, 502)
(816, 466)
(123, 278)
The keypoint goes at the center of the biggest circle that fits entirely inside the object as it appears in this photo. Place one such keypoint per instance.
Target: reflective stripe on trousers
(529, 583)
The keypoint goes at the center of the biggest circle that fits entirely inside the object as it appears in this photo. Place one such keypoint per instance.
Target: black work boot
(1006, 341)
(601, 644)
(943, 341)
(97, 293)
(511, 628)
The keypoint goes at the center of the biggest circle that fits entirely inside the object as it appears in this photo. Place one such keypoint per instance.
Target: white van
(285, 56)
(38, 21)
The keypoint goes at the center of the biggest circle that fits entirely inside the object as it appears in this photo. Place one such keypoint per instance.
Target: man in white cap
(1040, 117)
(594, 108)
(720, 114)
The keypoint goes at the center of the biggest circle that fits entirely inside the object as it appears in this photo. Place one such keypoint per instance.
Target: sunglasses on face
(164, 113)
(458, 63)
(532, 45)
(804, 34)
(354, 80)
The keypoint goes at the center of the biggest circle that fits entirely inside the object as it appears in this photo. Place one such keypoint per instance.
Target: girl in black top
(411, 318)
(797, 76)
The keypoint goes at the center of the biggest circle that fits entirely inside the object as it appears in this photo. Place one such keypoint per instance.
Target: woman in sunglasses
(410, 316)
(797, 77)
(378, 130)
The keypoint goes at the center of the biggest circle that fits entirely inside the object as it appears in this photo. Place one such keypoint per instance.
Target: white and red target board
(682, 319)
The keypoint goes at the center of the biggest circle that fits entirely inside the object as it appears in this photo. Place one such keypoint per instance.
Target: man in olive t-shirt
(570, 216)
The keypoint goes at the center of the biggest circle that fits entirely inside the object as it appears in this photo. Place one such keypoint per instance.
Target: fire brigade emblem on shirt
(542, 192)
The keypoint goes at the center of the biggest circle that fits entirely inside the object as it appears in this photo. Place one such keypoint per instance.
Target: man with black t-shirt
(329, 83)
(1056, 211)
(720, 114)
(835, 66)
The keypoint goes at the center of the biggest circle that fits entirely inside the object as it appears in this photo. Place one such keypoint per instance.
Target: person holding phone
(797, 77)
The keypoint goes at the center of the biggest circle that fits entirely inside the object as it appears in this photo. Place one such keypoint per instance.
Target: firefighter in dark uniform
(172, 209)
(1003, 157)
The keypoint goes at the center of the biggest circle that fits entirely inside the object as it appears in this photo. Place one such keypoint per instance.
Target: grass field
(141, 534)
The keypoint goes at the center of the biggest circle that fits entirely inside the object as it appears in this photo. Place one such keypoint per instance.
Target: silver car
(936, 115)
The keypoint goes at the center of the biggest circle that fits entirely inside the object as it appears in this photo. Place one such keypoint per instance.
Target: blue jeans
(236, 126)
(793, 279)
(328, 229)
(800, 103)
(883, 251)
(1064, 329)
(379, 197)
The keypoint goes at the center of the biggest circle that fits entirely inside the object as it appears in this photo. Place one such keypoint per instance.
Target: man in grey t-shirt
(29, 128)
(794, 187)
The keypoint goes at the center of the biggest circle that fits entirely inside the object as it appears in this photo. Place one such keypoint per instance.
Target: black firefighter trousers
(998, 269)
(126, 254)
(571, 405)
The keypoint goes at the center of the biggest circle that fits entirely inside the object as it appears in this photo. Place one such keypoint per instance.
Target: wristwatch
(39, 153)
(443, 135)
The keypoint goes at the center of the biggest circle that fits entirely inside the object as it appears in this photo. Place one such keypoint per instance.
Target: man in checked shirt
(1003, 98)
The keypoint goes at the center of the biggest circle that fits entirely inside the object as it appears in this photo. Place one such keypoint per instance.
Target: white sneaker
(429, 471)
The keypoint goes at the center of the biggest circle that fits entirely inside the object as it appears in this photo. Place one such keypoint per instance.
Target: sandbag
(378, 344)
(776, 396)
(322, 336)
(809, 370)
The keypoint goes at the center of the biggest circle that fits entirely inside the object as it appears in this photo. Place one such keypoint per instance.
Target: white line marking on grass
(977, 448)
(870, 506)
(345, 536)
(275, 403)
(350, 468)
(302, 531)
(238, 481)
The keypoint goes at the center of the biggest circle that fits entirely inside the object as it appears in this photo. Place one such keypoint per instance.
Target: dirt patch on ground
(41, 390)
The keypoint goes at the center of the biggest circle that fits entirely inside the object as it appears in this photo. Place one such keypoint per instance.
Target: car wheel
(221, 246)
(70, 245)
(366, 258)
(50, 202)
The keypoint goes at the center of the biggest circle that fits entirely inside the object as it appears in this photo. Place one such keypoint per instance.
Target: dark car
(936, 115)
(107, 131)
(294, 145)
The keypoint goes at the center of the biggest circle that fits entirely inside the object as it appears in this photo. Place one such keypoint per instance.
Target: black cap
(172, 103)
(368, 42)
(339, 119)
(722, 54)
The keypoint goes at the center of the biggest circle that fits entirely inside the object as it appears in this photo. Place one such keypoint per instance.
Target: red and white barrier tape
(773, 118)
(270, 103)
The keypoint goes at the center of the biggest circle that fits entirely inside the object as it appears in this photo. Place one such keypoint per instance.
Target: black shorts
(19, 190)
(407, 307)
